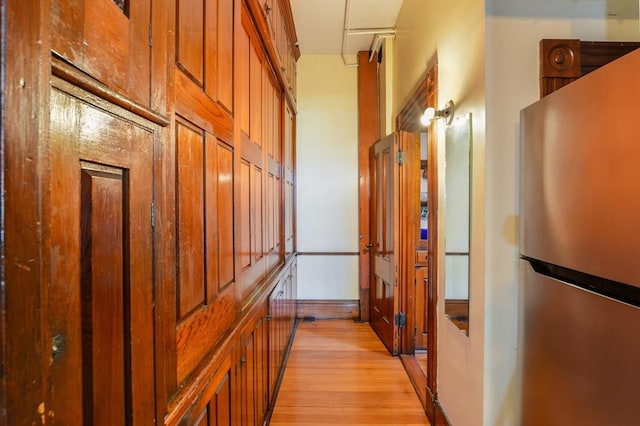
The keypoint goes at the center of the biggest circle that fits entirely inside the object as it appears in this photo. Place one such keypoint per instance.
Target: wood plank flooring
(339, 373)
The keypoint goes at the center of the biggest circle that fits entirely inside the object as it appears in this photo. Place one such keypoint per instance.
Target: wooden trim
(418, 380)
(595, 54)
(368, 134)
(287, 15)
(425, 95)
(432, 242)
(565, 60)
(25, 341)
(409, 117)
(440, 417)
(328, 253)
(67, 72)
(456, 307)
(559, 64)
(328, 309)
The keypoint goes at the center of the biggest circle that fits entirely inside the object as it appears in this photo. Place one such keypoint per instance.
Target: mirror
(457, 221)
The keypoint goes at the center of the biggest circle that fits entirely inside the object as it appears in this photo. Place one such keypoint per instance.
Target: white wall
(451, 34)
(477, 376)
(327, 178)
(514, 29)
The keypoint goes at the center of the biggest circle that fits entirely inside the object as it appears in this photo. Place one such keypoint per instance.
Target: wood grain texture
(112, 146)
(416, 370)
(339, 373)
(565, 60)
(368, 134)
(25, 44)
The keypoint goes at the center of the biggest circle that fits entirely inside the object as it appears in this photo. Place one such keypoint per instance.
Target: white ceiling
(320, 23)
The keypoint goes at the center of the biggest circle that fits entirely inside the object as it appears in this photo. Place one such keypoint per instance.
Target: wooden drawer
(421, 256)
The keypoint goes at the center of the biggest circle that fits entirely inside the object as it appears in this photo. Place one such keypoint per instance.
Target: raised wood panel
(255, 95)
(277, 127)
(206, 275)
(288, 217)
(190, 218)
(248, 374)
(245, 214)
(243, 80)
(288, 138)
(105, 340)
(224, 195)
(190, 38)
(81, 28)
(100, 303)
(220, 412)
(257, 215)
(212, 227)
(205, 46)
(224, 80)
(277, 215)
(270, 207)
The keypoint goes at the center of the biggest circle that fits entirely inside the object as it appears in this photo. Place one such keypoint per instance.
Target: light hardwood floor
(339, 373)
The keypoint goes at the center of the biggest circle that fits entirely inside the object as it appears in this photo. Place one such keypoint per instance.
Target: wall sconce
(431, 114)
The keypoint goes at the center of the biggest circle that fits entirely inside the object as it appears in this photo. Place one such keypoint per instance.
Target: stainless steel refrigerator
(579, 325)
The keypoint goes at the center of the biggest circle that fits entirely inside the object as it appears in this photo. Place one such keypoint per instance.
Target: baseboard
(440, 416)
(419, 381)
(329, 309)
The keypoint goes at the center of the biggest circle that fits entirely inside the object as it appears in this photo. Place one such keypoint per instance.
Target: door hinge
(400, 319)
(153, 214)
(401, 157)
(150, 34)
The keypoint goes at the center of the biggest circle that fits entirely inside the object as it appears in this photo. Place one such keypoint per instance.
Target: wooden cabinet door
(217, 405)
(107, 39)
(100, 296)
(385, 234)
(253, 371)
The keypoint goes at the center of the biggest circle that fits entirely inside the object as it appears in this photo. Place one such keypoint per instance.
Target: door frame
(368, 135)
(425, 95)
(24, 269)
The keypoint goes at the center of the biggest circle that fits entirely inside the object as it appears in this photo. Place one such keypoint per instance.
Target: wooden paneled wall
(163, 149)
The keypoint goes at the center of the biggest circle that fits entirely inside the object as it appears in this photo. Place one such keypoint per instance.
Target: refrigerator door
(580, 355)
(580, 174)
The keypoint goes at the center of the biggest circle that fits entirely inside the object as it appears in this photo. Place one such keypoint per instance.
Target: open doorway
(418, 229)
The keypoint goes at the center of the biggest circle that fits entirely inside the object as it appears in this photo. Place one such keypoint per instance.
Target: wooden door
(385, 237)
(100, 299)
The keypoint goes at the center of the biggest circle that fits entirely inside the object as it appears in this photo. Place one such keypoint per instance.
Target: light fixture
(431, 114)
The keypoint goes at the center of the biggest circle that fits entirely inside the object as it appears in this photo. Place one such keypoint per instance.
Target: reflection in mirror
(457, 221)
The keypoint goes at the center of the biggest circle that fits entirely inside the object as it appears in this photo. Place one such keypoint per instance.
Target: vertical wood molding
(368, 128)
(25, 342)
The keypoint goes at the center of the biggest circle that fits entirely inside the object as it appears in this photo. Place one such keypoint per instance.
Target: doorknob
(368, 246)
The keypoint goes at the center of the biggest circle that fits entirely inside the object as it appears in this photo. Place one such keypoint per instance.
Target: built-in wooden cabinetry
(149, 221)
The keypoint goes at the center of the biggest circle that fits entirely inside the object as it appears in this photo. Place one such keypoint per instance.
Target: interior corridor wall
(514, 29)
(327, 178)
(451, 34)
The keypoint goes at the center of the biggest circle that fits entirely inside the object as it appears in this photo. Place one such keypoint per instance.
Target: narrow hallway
(339, 373)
